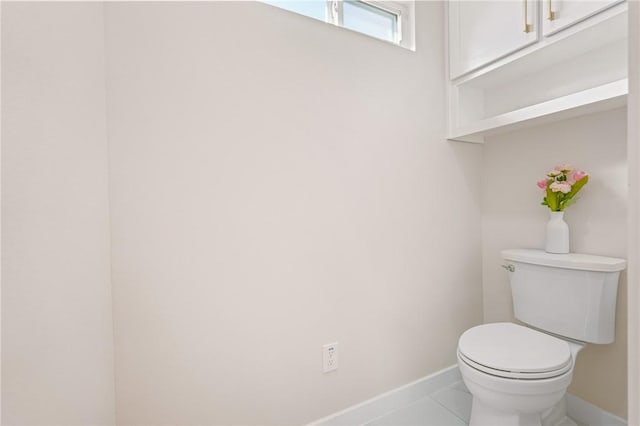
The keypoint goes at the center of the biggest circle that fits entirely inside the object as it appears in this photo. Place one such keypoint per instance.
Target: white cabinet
(560, 14)
(481, 32)
(503, 78)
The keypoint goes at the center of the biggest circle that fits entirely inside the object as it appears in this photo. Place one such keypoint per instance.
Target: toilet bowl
(516, 375)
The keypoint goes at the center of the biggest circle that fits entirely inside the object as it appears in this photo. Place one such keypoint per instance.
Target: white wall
(513, 217)
(57, 340)
(633, 148)
(277, 184)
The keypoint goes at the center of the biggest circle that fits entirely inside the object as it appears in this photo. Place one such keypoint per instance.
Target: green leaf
(567, 199)
(552, 200)
(569, 202)
(577, 186)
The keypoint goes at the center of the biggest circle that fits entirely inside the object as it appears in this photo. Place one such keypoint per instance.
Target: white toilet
(518, 375)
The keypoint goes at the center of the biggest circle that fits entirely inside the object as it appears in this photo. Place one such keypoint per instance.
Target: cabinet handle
(552, 14)
(527, 25)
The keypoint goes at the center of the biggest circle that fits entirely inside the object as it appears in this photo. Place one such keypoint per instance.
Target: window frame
(338, 15)
(404, 10)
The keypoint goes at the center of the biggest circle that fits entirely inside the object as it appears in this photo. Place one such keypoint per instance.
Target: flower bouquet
(561, 186)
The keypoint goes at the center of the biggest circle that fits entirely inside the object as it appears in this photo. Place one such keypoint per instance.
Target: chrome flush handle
(509, 267)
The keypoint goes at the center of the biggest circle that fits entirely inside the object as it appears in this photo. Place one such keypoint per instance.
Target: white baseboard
(395, 399)
(578, 409)
(588, 414)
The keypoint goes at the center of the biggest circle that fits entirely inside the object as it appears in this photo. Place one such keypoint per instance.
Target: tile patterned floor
(450, 406)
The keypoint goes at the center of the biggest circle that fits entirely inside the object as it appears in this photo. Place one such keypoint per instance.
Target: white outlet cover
(329, 357)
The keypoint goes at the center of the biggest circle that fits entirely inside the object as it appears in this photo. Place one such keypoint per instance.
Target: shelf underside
(601, 98)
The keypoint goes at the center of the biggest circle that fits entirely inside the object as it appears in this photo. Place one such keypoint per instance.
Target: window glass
(368, 19)
(389, 20)
(312, 8)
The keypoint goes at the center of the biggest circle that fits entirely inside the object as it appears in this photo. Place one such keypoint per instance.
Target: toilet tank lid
(584, 262)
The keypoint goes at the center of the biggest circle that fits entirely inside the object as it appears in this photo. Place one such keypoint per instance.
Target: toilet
(519, 374)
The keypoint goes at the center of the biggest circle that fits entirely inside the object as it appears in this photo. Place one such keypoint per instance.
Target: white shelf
(601, 98)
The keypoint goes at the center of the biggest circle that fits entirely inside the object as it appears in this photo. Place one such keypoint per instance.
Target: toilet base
(558, 415)
(483, 415)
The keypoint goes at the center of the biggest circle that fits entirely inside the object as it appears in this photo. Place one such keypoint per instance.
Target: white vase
(557, 234)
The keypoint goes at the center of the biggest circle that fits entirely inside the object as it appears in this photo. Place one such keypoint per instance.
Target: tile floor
(450, 406)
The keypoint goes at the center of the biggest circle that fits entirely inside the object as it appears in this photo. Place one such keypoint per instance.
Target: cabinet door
(482, 31)
(560, 14)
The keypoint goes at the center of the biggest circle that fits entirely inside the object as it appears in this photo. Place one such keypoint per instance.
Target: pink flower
(542, 184)
(563, 187)
(578, 175)
(564, 168)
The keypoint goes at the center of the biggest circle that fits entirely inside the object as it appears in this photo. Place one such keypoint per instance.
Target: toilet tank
(573, 295)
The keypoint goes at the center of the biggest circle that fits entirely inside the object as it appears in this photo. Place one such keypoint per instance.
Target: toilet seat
(515, 374)
(512, 351)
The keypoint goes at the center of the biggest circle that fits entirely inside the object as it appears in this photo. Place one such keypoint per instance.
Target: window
(313, 8)
(387, 20)
(371, 20)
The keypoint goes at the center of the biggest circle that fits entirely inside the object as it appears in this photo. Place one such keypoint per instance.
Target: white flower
(554, 173)
(565, 168)
(563, 187)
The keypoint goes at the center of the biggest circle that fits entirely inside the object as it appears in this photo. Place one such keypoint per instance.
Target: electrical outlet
(329, 357)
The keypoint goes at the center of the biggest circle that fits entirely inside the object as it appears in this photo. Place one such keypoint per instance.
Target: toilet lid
(511, 350)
